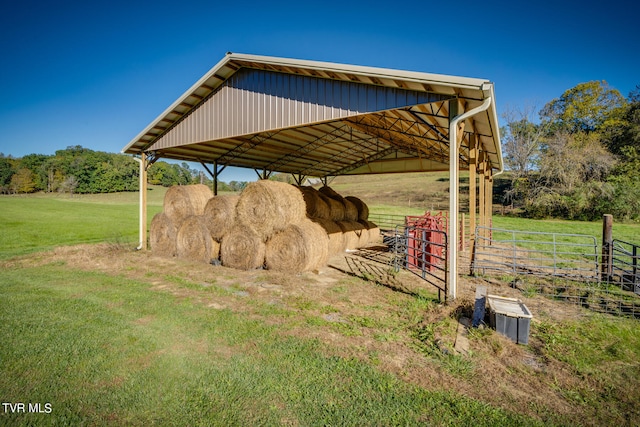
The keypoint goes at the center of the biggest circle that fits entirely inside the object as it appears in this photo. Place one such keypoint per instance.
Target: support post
(482, 195)
(606, 261)
(452, 250)
(215, 178)
(473, 167)
(489, 199)
(265, 174)
(456, 129)
(143, 202)
(214, 174)
(463, 245)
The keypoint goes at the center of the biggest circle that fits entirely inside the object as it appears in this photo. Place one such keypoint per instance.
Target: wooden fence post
(462, 233)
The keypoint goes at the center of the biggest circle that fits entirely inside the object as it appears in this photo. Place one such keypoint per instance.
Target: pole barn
(320, 119)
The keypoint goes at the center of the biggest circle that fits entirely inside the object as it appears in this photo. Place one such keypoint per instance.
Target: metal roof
(320, 119)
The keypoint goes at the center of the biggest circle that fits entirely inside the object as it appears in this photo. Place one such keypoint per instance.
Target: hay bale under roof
(363, 209)
(162, 235)
(355, 234)
(220, 214)
(302, 246)
(329, 192)
(269, 206)
(336, 209)
(316, 206)
(335, 234)
(373, 230)
(194, 242)
(182, 201)
(350, 210)
(242, 248)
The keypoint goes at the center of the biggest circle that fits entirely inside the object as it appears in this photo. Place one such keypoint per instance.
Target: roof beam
(376, 156)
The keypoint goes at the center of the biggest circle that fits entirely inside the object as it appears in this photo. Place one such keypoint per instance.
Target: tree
(625, 132)
(584, 108)
(22, 181)
(237, 185)
(6, 172)
(571, 159)
(572, 182)
(521, 142)
(35, 163)
(69, 185)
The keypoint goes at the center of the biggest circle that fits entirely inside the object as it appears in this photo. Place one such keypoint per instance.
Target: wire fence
(565, 267)
(572, 256)
(624, 266)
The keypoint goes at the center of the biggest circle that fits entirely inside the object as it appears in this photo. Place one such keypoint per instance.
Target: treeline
(80, 170)
(578, 157)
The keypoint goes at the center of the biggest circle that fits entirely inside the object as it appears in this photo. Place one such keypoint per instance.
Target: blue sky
(95, 73)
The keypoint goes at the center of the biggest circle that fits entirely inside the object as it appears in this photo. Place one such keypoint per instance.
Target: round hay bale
(162, 235)
(329, 192)
(350, 210)
(373, 230)
(193, 241)
(363, 209)
(361, 232)
(182, 201)
(315, 204)
(336, 209)
(269, 206)
(303, 246)
(335, 234)
(220, 215)
(242, 248)
(353, 233)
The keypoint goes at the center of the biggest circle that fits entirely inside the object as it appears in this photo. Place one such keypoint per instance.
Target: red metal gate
(425, 240)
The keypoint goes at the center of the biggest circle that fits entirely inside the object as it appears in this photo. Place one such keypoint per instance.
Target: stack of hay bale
(271, 224)
(345, 219)
(180, 229)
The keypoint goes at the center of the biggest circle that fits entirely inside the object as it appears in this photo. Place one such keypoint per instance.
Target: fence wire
(572, 256)
(564, 267)
(624, 265)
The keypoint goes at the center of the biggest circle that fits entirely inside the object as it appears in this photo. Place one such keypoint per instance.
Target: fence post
(462, 233)
(606, 267)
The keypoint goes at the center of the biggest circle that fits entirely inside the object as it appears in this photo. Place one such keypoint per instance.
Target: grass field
(108, 335)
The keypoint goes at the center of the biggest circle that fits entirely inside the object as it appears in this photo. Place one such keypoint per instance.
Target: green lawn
(624, 231)
(109, 347)
(35, 223)
(103, 349)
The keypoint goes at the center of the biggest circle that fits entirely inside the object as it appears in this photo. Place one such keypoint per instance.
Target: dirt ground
(361, 308)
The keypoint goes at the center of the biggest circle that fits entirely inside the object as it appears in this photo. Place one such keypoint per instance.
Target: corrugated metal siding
(254, 101)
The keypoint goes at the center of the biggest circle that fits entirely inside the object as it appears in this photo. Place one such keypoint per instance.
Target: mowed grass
(103, 349)
(112, 349)
(33, 223)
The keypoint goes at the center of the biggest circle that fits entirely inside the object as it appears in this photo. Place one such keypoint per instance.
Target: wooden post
(462, 233)
(489, 200)
(473, 167)
(143, 201)
(481, 195)
(606, 263)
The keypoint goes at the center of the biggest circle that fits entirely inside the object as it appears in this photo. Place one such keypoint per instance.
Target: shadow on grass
(375, 264)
